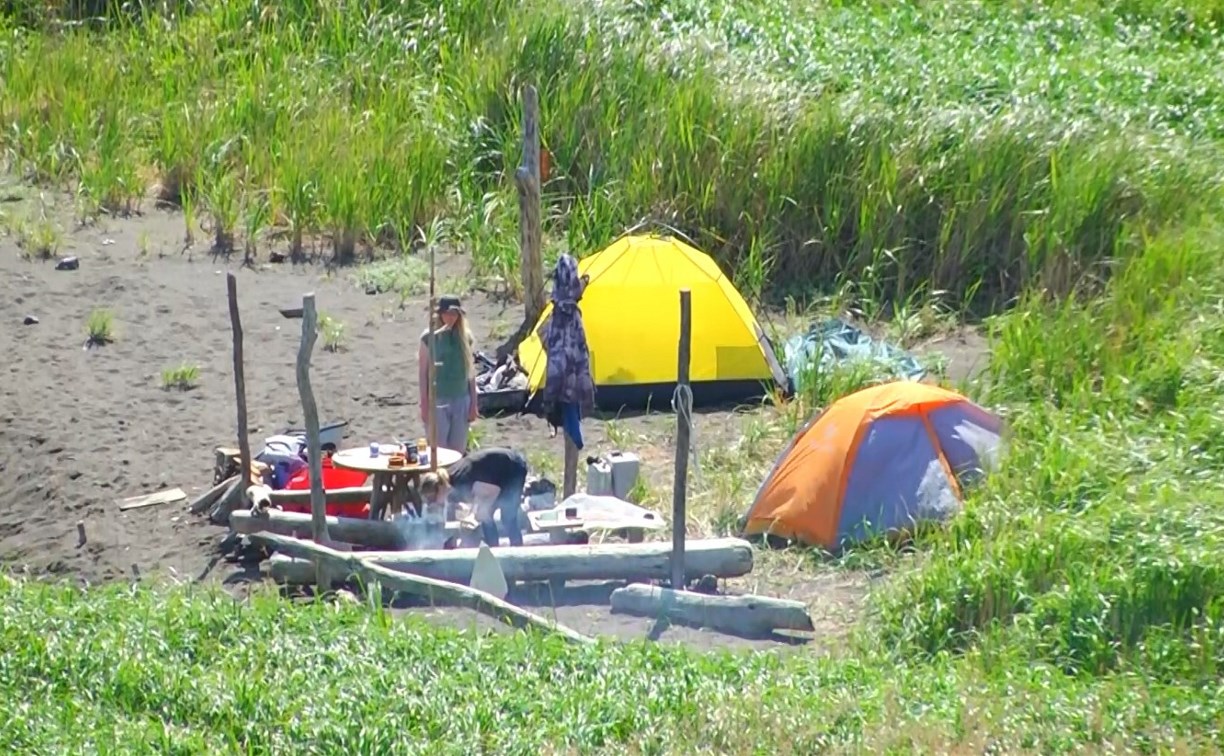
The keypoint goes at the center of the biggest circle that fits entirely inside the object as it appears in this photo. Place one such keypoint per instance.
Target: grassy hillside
(988, 150)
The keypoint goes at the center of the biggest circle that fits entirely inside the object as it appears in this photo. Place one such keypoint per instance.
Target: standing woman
(454, 373)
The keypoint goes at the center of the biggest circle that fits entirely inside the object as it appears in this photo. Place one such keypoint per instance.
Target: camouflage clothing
(569, 378)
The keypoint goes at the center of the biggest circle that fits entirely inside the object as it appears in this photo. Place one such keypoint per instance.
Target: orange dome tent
(876, 461)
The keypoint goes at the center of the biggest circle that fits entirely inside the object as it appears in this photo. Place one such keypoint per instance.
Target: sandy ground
(82, 428)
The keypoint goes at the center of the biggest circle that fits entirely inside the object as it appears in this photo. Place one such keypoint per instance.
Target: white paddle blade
(487, 574)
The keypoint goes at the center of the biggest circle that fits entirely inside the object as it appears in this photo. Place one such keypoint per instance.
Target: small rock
(68, 263)
(30, 320)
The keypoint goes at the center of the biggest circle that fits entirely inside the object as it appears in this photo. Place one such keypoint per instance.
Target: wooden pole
(244, 443)
(684, 408)
(569, 481)
(310, 412)
(527, 178)
(431, 409)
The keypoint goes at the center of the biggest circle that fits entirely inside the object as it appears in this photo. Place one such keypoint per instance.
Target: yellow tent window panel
(738, 363)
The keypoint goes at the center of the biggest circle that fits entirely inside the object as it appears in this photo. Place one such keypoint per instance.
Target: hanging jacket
(568, 380)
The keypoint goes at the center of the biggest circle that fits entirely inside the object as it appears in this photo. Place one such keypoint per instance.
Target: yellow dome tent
(631, 312)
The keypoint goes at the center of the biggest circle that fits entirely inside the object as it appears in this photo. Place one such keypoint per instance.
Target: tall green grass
(979, 150)
(145, 671)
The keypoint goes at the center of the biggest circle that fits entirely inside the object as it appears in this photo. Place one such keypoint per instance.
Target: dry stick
(683, 413)
(435, 590)
(244, 444)
(310, 411)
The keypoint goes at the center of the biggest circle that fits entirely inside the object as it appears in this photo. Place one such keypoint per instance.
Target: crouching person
(487, 481)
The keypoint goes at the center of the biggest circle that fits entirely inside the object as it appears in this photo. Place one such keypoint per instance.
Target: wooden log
(310, 412)
(206, 500)
(244, 443)
(228, 502)
(720, 557)
(747, 615)
(377, 534)
(362, 531)
(334, 496)
(437, 591)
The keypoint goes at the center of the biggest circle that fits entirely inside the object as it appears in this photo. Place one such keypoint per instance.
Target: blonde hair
(432, 483)
(466, 341)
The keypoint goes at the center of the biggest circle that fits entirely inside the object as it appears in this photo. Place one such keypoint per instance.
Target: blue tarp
(836, 341)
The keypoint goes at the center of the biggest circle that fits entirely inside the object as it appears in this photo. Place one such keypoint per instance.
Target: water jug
(599, 477)
(625, 470)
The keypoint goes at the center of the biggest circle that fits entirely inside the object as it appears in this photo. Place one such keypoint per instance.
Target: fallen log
(209, 497)
(379, 534)
(374, 534)
(747, 616)
(228, 502)
(340, 563)
(722, 557)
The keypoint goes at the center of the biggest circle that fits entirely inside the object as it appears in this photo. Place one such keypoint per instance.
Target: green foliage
(140, 670)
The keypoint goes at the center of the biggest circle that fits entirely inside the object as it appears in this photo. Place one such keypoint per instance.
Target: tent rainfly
(632, 323)
(880, 460)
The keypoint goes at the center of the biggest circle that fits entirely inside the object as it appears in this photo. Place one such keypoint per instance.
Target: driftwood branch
(244, 443)
(205, 501)
(377, 534)
(527, 181)
(434, 590)
(747, 616)
(310, 412)
(229, 501)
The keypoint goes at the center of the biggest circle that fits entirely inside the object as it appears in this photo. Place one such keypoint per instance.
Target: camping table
(391, 485)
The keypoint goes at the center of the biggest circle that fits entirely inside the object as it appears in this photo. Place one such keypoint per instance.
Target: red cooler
(333, 478)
